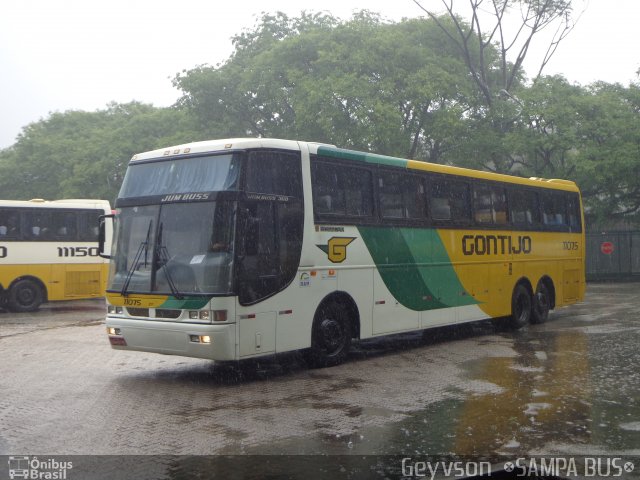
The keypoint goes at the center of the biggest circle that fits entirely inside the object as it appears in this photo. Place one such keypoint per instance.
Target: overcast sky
(58, 55)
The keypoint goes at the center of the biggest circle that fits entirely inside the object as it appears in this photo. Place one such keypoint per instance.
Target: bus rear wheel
(541, 304)
(25, 296)
(520, 307)
(331, 336)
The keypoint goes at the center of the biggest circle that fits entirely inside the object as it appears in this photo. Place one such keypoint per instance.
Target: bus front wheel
(331, 336)
(520, 307)
(25, 296)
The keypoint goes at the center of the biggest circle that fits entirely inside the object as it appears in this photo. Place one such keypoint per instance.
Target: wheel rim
(542, 303)
(26, 296)
(523, 306)
(332, 335)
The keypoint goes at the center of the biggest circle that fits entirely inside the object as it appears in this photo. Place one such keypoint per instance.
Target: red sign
(606, 248)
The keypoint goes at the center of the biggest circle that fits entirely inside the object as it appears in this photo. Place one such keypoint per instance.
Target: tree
(398, 89)
(546, 142)
(85, 154)
(494, 59)
(478, 43)
(587, 134)
(608, 165)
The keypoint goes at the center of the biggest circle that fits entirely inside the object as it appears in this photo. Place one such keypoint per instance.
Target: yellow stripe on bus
(143, 301)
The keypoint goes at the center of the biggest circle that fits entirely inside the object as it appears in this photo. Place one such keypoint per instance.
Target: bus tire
(520, 307)
(541, 304)
(330, 336)
(25, 296)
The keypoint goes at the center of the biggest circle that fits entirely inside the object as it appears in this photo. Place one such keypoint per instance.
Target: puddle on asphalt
(564, 386)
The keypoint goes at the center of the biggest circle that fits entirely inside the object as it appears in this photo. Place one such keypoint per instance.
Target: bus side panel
(358, 283)
(10, 273)
(69, 281)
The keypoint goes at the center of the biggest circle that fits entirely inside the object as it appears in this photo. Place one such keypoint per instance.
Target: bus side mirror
(102, 234)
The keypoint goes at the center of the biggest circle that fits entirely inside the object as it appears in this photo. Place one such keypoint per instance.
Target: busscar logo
(336, 248)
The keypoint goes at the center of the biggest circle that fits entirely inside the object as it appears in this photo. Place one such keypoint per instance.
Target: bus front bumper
(214, 342)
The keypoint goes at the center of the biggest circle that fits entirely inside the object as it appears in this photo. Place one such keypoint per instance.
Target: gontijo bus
(49, 251)
(238, 248)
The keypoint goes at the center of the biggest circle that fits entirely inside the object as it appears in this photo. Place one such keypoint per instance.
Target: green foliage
(590, 135)
(393, 88)
(85, 154)
(400, 89)
(608, 145)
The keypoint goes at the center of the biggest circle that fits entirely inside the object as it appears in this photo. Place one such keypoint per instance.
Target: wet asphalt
(568, 387)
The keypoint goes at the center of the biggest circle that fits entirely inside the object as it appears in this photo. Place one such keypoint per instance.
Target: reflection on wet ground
(53, 315)
(572, 386)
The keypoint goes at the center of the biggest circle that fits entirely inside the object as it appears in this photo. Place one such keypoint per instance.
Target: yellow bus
(49, 251)
(238, 248)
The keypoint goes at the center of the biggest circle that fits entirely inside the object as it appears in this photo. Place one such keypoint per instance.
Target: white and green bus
(238, 248)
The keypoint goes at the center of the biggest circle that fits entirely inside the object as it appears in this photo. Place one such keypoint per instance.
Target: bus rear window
(554, 210)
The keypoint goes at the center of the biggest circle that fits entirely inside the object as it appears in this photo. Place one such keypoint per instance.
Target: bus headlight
(208, 315)
(200, 339)
(113, 331)
(114, 309)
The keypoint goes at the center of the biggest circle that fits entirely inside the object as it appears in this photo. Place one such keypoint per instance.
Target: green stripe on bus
(362, 157)
(194, 303)
(415, 267)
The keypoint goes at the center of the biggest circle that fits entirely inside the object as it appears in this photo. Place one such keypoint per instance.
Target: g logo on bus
(336, 248)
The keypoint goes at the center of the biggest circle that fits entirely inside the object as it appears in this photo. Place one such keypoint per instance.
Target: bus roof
(64, 203)
(211, 146)
(344, 154)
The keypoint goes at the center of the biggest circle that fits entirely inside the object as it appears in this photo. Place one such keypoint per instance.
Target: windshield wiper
(162, 257)
(144, 247)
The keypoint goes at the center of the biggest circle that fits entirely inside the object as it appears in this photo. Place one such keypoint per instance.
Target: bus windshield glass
(213, 173)
(174, 249)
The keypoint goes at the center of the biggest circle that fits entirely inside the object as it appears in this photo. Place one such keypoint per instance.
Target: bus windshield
(213, 173)
(174, 249)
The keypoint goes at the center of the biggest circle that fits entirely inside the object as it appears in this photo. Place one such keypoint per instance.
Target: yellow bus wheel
(25, 296)
(520, 307)
(541, 304)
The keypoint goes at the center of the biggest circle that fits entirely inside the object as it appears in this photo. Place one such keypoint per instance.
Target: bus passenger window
(482, 204)
(274, 173)
(88, 225)
(554, 210)
(64, 225)
(38, 226)
(401, 196)
(9, 224)
(523, 207)
(449, 200)
(357, 189)
(490, 205)
(573, 206)
(390, 195)
(340, 190)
